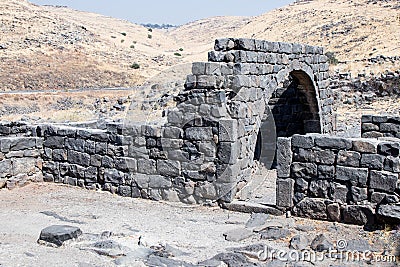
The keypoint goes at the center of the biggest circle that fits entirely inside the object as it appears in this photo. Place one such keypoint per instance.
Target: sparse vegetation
(181, 49)
(122, 41)
(150, 30)
(149, 36)
(132, 46)
(123, 33)
(178, 54)
(332, 58)
(112, 36)
(135, 66)
(134, 42)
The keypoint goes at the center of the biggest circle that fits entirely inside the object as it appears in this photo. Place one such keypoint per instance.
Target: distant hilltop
(158, 26)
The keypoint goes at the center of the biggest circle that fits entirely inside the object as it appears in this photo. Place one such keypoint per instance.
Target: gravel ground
(172, 233)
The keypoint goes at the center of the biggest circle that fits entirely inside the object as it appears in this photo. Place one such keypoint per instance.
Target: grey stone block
(172, 132)
(372, 161)
(314, 155)
(319, 188)
(224, 44)
(389, 149)
(359, 215)
(392, 164)
(349, 158)
(228, 152)
(147, 166)
(125, 164)
(284, 157)
(228, 130)
(358, 195)
(53, 142)
(58, 234)
(312, 208)
(169, 168)
(246, 44)
(333, 211)
(304, 170)
(333, 142)
(199, 133)
(284, 193)
(356, 176)
(75, 144)
(383, 180)
(326, 172)
(365, 146)
(78, 158)
(113, 176)
(303, 141)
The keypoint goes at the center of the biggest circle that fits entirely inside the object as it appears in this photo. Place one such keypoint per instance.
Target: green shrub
(177, 54)
(150, 29)
(135, 66)
(149, 36)
(132, 46)
(112, 36)
(134, 42)
(123, 33)
(122, 41)
(332, 58)
(181, 49)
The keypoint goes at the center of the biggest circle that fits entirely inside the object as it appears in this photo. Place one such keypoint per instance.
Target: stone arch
(294, 105)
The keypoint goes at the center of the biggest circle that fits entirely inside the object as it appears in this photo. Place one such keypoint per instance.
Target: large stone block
(199, 133)
(78, 158)
(169, 168)
(319, 188)
(303, 141)
(312, 208)
(228, 130)
(389, 149)
(360, 215)
(284, 157)
(314, 155)
(304, 170)
(372, 161)
(75, 144)
(332, 142)
(284, 193)
(383, 180)
(365, 146)
(349, 158)
(54, 142)
(356, 176)
(147, 166)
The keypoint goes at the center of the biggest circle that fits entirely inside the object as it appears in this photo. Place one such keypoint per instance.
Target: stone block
(349, 158)
(54, 142)
(198, 68)
(158, 181)
(392, 164)
(75, 144)
(113, 176)
(333, 211)
(389, 149)
(245, 44)
(314, 155)
(303, 141)
(356, 176)
(125, 164)
(228, 130)
(332, 142)
(224, 44)
(147, 166)
(312, 208)
(199, 133)
(78, 158)
(383, 180)
(60, 155)
(359, 215)
(372, 161)
(125, 191)
(169, 168)
(284, 193)
(304, 170)
(358, 195)
(319, 188)
(326, 172)
(284, 157)
(365, 146)
(172, 132)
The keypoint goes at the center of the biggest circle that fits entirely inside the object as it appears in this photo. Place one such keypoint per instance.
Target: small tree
(135, 66)
(332, 58)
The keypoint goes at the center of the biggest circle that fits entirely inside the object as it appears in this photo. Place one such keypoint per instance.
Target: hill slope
(60, 48)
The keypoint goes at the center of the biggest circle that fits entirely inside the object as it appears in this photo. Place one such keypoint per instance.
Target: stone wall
(208, 144)
(344, 180)
(380, 126)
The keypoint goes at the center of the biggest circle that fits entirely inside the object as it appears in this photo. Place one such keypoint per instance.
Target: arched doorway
(294, 106)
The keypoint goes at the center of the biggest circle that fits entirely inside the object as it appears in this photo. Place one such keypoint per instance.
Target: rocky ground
(120, 231)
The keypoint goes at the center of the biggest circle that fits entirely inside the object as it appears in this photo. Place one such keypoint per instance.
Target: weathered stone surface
(304, 170)
(321, 243)
(372, 161)
(389, 149)
(357, 176)
(303, 141)
(238, 235)
(299, 242)
(257, 219)
(284, 193)
(334, 212)
(284, 157)
(58, 234)
(274, 233)
(383, 180)
(360, 215)
(389, 213)
(312, 208)
(333, 142)
(319, 188)
(349, 158)
(365, 146)
(169, 168)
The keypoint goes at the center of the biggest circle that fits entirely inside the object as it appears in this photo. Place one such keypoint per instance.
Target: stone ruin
(251, 97)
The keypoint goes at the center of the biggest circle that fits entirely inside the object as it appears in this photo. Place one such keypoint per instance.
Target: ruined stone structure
(227, 118)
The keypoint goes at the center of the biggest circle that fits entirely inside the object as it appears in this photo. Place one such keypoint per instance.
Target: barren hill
(60, 48)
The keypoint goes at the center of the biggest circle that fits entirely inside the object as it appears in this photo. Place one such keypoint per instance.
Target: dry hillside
(60, 48)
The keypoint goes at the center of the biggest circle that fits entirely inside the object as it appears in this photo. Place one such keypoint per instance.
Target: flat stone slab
(58, 234)
(238, 235)
(249, 207)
